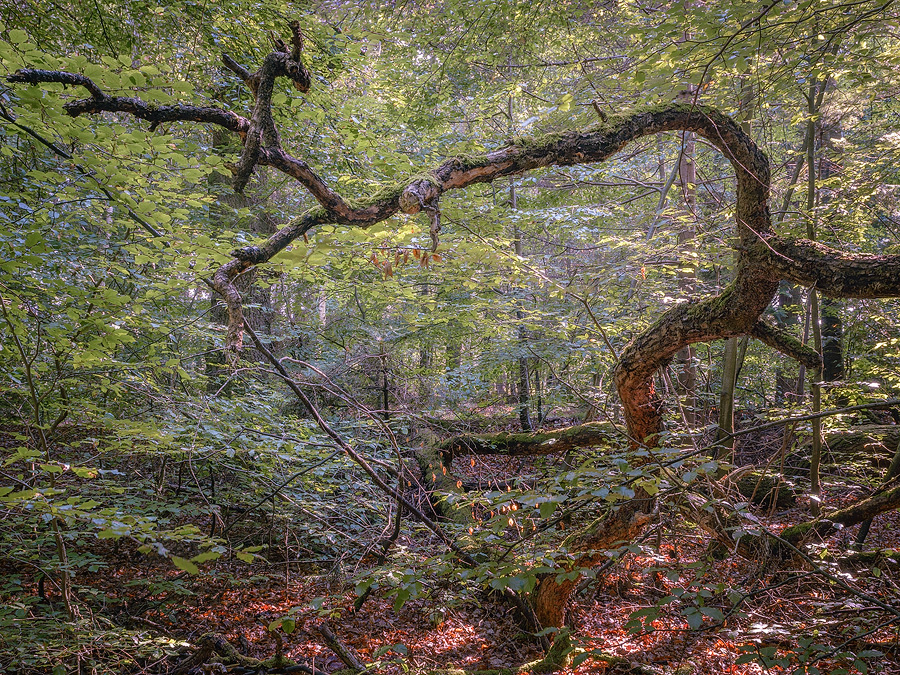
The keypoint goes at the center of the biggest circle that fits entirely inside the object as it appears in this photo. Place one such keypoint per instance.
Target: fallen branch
(885, 499)
(346, 654)
(211, 644)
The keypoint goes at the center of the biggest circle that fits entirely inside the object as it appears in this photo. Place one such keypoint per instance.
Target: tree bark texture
(588, 547)
(873, 442)
(764, 257)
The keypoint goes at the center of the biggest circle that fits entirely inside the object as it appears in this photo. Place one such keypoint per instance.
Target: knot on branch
(249, 254)
(288, 65)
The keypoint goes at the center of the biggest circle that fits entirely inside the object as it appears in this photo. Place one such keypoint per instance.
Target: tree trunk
(587, 547)
(686, 373)
(726, 398)
(765, 257)
(816, 374)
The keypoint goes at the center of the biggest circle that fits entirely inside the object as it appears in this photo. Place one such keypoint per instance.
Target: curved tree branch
(834, 273)
(786, 343)
(763, 256)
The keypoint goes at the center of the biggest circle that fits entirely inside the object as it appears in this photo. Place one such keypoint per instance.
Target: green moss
(390, 191)
(381, 194)
(795, 532)
(467, 162)
(276, 662)
(539, 141)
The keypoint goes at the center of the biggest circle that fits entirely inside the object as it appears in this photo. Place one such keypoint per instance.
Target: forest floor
(787, 608)
(239, 603)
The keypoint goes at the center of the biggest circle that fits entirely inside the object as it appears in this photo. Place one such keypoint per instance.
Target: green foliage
(120, 425)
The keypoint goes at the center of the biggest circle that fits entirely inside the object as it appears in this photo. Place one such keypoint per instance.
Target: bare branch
(155, 114)
(296, 40)
(35, 76)
(764, 257)
(239, 70)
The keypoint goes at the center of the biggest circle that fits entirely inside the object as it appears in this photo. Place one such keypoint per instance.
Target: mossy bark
(763, 258)
(886, 499)
(873, 441)
(764, 489)
(529, 443)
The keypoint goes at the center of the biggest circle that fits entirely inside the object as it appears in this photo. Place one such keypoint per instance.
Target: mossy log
(875, 441)
(211, 644)
(885, 499)
(529, 443)
(762, 489)
(878, 558)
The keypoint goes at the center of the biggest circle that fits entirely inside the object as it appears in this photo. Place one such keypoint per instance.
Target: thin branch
(355, 456)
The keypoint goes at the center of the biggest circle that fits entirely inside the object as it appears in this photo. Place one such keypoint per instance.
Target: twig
(887, 403)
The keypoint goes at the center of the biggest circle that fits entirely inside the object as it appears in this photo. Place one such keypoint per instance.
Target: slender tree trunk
(521, 330)
(832, 326)
(385, 386)
(726, 398)
(816, 373)
(733, 351)
(687, 274)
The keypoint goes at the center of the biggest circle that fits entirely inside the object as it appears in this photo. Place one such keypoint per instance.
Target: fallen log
(885, 499)
(211, 644)
(875, 440)
(529, 443)
(346, 653)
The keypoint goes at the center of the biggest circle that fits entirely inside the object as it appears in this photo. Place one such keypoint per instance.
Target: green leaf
(713, 613)
(547, 509)
(185, 564)
(401, 598)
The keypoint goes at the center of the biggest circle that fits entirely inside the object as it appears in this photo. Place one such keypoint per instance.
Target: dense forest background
(405, 466)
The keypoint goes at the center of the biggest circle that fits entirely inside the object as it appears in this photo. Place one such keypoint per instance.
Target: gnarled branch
(764, 257)
(786, 343)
